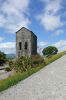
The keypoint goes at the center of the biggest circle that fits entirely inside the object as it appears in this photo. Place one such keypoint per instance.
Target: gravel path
(47, 84)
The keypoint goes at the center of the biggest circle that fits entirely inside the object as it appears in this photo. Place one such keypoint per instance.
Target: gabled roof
(26, 29)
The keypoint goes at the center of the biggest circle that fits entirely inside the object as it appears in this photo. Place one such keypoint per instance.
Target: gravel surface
(47, 84)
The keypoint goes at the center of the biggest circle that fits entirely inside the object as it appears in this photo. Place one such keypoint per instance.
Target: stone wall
(26, 43)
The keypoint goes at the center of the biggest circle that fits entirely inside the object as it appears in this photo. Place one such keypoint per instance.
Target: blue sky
(46, 18)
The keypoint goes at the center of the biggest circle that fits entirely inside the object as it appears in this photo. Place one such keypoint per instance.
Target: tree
(50, 50)
(2, 58)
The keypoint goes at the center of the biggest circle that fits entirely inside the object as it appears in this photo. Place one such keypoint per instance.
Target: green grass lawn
(16, 77)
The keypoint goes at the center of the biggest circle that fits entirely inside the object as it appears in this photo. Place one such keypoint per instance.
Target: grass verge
(15, 78)
(54, 57)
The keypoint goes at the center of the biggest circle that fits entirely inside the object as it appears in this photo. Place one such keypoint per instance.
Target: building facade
(26, 43)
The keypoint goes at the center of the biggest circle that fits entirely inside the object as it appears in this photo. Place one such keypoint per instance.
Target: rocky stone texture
(47, 84)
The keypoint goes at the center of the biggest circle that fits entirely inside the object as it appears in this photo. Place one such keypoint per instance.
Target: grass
(55, 57)
(16, 77)
(12, 80)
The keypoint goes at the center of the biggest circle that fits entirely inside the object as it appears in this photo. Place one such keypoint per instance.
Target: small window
(26, 45)
(20, 44)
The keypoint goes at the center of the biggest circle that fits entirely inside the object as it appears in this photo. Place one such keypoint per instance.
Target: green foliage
(2, 58)
(50, 50)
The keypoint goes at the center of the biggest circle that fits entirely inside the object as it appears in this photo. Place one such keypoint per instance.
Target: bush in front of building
(21, 64)
(25, 63)
(37, 59)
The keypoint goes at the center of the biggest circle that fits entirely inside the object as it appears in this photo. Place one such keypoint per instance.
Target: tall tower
(26, 43)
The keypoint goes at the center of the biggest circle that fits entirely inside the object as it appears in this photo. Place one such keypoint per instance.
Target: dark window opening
(20, 45)
(26, 45)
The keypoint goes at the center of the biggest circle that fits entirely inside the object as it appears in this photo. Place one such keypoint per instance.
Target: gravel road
(47, 84)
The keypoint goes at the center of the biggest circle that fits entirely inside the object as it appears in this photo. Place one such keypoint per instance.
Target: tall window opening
(26, 45)
(20, 45)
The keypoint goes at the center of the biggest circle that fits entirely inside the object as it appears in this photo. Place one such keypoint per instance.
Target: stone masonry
(26, 43)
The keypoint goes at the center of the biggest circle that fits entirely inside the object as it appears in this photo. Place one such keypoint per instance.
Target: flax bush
(21, 64)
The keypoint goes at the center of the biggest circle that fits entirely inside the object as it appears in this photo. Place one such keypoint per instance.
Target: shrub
(37, 59)
(21, 64)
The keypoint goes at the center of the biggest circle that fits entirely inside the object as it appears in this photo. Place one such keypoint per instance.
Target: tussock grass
(16, 77)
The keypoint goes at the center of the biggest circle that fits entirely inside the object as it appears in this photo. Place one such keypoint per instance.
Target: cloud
(1, 39)
(53, 7)
(58, 32)
(41, 46)
(8, 47)
(42, 43)
(51, 22)
(50, 19)
(45, 0)
(61, 45)
(12, 14)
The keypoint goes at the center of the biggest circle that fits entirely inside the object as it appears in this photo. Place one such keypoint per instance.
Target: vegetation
(16, 77)
(50, 50)
(8, 69)
(2, 58)
(25, 63)
(36, 60)
(54, 57)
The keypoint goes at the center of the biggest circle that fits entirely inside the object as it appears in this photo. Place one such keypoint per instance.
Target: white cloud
(2, 20)
(42, 43)
(53, 7)
(41, 46)
(8, 47)
(51, 22)
(50, 19)
(1, 39)
(61, 45)
(12, 14)
(58, 32)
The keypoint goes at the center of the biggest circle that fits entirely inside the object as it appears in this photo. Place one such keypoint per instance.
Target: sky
(46, 18)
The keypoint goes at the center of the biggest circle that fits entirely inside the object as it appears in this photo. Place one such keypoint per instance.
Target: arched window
(26, 45)
(20, 45)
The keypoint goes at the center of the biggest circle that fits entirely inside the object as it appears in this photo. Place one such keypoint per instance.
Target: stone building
(26, 43)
